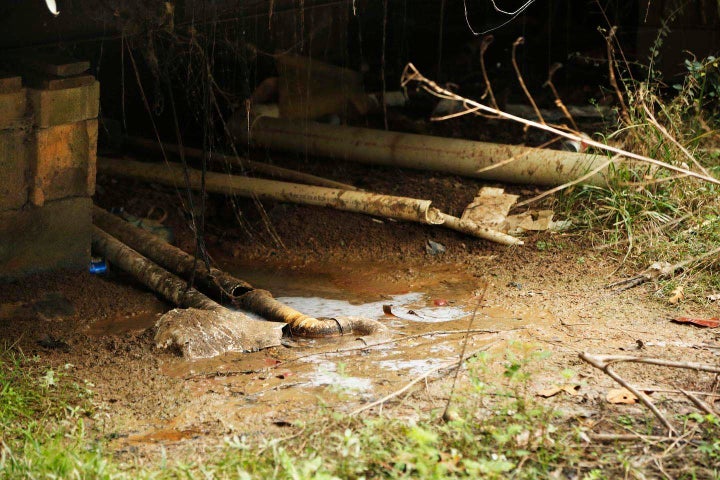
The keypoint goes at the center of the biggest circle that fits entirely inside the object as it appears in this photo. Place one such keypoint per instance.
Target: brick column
(48, 144)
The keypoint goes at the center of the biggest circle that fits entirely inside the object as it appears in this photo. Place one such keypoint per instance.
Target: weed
(647, 214)
(501, 431)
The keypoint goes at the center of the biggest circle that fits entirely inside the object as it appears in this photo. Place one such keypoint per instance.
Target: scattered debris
(52, 343)
(714, 297)
(490, 207)
(621, 396)
(434, 248)
(659, 270)
(552, 391)
(606, 362)
(534, 220)
(638, 345)
(699, 322)
(676, 295)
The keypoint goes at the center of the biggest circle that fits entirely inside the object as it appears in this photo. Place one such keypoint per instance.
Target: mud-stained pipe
(262, 303)
(226, 287)
(204, 328)
(257, 167)
(533, 166)
(151, 275)
(400, 208)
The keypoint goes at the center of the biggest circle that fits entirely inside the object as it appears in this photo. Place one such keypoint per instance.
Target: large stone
(58, 107)
(13, 109)
(63, 161)
(54, 236)
(14, 169)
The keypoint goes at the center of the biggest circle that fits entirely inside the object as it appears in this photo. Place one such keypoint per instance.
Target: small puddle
(422, 310)
(120, 324)
(327, 374)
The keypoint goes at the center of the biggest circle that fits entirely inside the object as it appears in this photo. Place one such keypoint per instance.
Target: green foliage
(501, 432)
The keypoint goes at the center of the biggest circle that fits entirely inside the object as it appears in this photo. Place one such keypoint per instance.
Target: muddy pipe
(203, 328)
(225, 287)
(400, 208)
(534, 166)
(388, 206)
(256, 167)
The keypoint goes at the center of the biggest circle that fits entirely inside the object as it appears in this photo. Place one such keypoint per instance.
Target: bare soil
(549, 292)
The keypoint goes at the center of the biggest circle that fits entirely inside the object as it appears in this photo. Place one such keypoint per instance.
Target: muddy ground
(548, 292)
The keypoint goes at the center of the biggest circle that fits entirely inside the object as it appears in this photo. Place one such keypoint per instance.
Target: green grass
(499, 431)
(647, 215)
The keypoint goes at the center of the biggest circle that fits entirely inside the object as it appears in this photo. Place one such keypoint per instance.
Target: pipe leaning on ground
(224, 286)
(204, 328)
(258, 167)
(533, 166)
(388, 206)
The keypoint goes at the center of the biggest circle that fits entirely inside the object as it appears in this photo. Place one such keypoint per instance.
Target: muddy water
(429, 314)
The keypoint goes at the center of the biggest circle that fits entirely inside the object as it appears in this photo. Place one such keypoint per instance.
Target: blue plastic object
(98, 266)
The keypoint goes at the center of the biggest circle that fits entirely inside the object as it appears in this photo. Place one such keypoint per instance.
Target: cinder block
(54, 236)
(13, 109)
(57, 107)
(63, 161)
(14, 169)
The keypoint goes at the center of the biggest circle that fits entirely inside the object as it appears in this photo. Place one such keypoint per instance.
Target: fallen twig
(605, 362)
(611, 72)
(628, 437)
(448, 365)
(698, 402)
(659, 270)
(480, 299)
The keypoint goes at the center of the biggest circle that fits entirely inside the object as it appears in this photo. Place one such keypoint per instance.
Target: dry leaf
(552, 391)
(699, 322)
(621, 396)
(676, 295)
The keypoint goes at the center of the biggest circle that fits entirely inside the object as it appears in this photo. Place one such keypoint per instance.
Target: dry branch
(412, 74)
(605, 362)
(659, 270)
